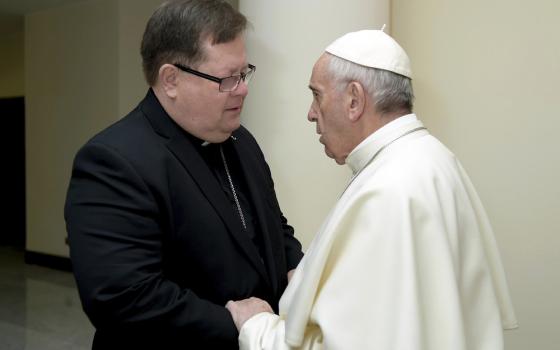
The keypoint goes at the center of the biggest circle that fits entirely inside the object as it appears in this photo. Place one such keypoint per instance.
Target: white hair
(390, 92)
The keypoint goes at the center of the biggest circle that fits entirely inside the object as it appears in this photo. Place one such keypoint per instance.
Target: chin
(333, 157)
(234, 126)
(224, 136)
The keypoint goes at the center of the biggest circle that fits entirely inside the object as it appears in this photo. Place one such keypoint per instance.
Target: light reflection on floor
(39, 307)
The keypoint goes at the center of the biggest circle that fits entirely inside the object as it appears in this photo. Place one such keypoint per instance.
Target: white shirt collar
(361, 154)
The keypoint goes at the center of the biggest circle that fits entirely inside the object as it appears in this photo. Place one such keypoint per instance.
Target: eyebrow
(231, 70)
(314, 89)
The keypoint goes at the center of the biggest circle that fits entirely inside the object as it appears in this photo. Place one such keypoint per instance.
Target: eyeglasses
(226, 84)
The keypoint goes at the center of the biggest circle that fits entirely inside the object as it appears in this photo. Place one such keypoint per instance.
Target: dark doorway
(12, 173)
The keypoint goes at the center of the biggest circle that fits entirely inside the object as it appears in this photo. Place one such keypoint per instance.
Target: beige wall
(11, 56)
(132, 18)
(487, 77)
(287, 38)
(71, 93)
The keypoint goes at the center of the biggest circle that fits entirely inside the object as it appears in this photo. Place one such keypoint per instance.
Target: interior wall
(487, 75)
(71, 93)
(11, 56)
(286, 39)
(132, 18)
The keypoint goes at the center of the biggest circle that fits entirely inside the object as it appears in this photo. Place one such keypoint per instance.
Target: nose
(311, 115)
(242, 89)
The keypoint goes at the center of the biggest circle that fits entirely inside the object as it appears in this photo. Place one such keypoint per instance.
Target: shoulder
(131, 133)
(414, 168)
(123, 131)
(129, 141)
(247, 141)
(419, 158)
(244, 135)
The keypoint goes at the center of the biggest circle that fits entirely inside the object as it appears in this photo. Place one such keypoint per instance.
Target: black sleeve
(116, 252)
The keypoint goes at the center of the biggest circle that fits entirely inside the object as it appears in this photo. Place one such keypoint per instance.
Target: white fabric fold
(406, 259)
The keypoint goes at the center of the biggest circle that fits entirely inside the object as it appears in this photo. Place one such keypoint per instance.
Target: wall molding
(47, 260)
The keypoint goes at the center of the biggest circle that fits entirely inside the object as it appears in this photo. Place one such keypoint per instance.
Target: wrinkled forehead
(322, 63)
(231, 55)
(319, 74)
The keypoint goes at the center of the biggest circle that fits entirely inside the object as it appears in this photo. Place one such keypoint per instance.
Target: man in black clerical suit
(171, 211)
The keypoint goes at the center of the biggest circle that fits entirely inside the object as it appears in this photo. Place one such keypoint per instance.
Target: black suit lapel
(193, 163)
(181, 147)
(257, 191)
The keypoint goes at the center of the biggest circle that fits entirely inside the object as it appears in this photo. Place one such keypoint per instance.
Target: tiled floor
(39, 307)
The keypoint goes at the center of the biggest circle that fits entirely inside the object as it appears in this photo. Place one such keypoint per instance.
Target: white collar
(371, 145)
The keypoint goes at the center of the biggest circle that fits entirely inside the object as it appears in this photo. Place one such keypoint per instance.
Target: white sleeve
(266, 331)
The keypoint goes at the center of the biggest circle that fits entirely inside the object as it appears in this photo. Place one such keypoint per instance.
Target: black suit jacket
(156, 248)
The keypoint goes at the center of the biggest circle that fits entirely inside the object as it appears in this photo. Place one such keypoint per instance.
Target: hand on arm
(242, 310)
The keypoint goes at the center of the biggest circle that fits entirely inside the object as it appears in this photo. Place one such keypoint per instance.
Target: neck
(376, 121)
(388, 117)
(163, 100)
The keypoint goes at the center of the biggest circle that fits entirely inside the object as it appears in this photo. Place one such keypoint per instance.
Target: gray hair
(177, 29)
(390, 92)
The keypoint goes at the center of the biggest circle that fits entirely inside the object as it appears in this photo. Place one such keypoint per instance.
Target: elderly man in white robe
(407, 258)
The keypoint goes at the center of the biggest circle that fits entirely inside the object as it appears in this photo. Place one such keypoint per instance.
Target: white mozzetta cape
(405, 260)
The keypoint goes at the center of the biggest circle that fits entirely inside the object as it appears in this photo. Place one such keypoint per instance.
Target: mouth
(234, 109)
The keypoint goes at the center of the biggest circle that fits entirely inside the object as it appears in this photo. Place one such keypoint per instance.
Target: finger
(231, 305)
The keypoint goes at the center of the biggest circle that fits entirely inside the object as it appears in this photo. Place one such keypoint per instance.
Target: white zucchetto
(372, 48)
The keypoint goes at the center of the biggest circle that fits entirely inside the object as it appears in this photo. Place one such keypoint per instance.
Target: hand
(291, 274)
(242, 310)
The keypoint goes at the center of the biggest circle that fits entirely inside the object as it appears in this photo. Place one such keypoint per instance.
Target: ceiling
(21, 7)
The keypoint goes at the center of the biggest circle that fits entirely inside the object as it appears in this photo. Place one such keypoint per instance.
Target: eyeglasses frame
(241, 76)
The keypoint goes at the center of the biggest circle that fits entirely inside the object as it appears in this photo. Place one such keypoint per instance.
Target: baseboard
(47, 260)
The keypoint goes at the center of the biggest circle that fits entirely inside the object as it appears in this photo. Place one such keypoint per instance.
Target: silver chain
(233, 188)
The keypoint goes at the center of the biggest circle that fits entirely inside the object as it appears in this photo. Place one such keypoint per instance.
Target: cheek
(331, 132)
(319, 115)
(214, 106)
(326, 120)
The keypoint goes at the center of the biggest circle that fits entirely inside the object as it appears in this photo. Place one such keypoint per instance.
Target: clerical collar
(362, 154)
(200, 143)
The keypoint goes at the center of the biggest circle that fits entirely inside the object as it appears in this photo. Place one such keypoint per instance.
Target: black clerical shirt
(210, 152)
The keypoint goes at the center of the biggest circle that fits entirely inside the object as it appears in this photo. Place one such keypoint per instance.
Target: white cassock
(405, 260)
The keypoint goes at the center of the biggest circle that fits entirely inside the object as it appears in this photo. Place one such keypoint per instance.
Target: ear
(356, 100)
(168, 78)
